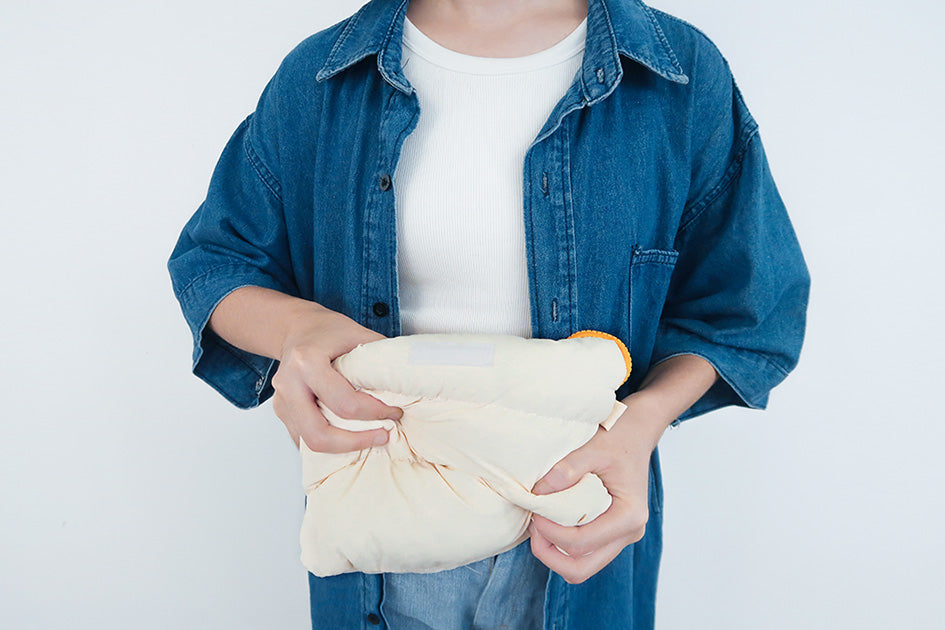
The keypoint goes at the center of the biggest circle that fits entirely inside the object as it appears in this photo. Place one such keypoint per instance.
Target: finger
(330, 439)
(318, 433)
(339, 395)
(569, 469)
(621, 520)
(574, 569)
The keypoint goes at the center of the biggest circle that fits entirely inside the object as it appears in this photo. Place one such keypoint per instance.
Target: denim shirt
(649, 208)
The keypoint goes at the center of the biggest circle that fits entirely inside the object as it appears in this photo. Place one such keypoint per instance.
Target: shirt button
(381, 309)
(385, 181)
(260, 383)
(373, 619)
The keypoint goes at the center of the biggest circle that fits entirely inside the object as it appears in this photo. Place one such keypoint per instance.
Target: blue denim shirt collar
(377, 28)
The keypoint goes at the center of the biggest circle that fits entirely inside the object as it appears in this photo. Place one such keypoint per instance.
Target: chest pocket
(650, 272)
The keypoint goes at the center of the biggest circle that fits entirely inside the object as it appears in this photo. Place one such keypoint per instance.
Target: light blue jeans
(502, 592)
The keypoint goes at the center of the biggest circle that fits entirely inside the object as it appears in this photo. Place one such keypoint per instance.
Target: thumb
(567, 472)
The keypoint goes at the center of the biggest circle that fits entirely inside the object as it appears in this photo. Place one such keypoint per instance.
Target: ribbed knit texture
(458, 184)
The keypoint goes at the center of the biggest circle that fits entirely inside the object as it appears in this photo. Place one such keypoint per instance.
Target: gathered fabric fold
(485, 416)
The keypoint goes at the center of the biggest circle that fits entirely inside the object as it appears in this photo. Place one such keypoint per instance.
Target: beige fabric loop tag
(617, 411)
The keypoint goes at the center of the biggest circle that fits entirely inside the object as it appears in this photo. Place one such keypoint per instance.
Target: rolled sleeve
(236, 238)
(738, 295)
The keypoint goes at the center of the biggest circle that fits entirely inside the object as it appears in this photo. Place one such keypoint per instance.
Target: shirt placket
(549, 237)
(379, 304)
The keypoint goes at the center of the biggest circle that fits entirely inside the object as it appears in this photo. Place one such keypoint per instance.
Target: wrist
(300, 317)
(671, 387)
(647, 417)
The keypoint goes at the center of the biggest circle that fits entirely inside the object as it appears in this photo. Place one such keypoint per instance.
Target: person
(507, 166)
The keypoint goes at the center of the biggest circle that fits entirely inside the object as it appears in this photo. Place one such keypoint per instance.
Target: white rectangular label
(450, 353)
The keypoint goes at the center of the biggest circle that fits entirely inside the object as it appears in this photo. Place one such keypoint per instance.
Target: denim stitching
(610, 31)
(264, 174)
(349, 27)
(748, 132)
(239, 358)
(369, 212)
(616, 60)
(658, 256)
(569, 229)
(659, 31)
(384, 46)
(390, 31)
(204, 275)
(735, 349)
(222, 391)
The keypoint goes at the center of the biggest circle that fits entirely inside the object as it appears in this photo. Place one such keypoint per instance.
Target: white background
(133, 495)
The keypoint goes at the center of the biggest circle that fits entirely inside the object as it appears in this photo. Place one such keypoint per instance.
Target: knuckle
(299, 359)
(562, 474)
(636, 520)
(567, 471)
(293, 358)
(533, 543)
(636, 534)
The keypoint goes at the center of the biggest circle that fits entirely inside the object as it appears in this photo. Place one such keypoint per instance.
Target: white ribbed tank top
(458, 182)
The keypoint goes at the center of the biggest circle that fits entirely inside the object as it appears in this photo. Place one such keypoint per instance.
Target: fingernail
(397, 414)
(380, 438)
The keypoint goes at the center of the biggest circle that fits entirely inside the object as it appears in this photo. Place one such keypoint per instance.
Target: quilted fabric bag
(485, 417)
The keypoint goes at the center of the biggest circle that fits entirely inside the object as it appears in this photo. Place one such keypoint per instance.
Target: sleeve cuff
(745, 377)
(243, 378)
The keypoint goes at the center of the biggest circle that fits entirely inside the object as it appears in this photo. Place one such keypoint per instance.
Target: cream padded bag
(485, 417)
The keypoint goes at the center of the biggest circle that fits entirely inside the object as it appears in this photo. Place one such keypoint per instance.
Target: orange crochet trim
(603, 335)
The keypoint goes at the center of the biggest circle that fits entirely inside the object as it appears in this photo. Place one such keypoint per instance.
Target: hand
(620, 457)
(305, 375)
